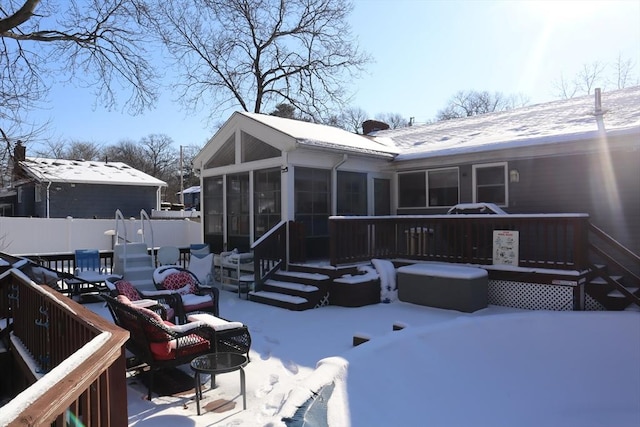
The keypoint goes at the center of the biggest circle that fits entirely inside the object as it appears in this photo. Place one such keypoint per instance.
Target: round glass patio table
(219, 363)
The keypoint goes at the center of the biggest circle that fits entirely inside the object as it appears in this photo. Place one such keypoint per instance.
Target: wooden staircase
(294, 290)
(615, 285)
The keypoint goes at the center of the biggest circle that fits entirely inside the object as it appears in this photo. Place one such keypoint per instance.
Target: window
(213, 208)
(432, 188)
(255, 149)
(266, 189)
(352, 193)
(238, 204)
(412, 190)
(225, 156)
(312, 200)
(443, 187)
(38, 196)
(490, 183)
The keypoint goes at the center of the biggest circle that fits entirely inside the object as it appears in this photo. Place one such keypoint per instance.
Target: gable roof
(549, 123)
(87, 172)
(323, 136)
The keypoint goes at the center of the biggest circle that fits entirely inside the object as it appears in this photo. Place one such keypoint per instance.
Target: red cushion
(126, 288)
(179, 281)
(167, 350)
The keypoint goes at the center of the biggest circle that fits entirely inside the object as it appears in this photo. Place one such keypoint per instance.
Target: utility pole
(181, 178)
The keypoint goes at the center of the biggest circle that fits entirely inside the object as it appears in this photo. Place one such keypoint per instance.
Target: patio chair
(202, 268)
(88, 273)
(171, 302)
(160, 344)
(168, 255)
(199, 249)
(186, 285)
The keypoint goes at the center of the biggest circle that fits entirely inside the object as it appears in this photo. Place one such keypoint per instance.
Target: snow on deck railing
(71, 351)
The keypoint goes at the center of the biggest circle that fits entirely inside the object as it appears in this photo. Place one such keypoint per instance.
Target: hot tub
(449, 286)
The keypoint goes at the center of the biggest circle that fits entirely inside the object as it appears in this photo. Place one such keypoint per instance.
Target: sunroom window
(255, 149)
(225, 156)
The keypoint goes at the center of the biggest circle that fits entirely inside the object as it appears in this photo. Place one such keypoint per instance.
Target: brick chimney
(19, 154)
(369, 126)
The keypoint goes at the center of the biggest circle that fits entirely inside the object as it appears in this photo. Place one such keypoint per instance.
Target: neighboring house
(580, 155)
(54, 188)
(191, 197)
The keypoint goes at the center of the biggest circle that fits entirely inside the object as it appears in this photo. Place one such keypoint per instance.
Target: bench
(448, 286)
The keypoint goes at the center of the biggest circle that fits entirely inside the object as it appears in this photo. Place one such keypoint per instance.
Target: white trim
(505, 166)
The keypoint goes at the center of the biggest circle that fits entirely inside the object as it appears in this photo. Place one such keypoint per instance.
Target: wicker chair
(194, 296)
(171, 302)
(161, 345)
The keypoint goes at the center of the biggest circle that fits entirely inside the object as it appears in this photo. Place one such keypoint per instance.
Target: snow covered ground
(497, 366)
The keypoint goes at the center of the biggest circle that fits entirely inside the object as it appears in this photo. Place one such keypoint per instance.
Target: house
(56, 188)
(579, 155)
(191, 197)
(258, 170)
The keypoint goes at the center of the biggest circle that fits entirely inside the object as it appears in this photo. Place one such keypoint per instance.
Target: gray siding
(96, 201)
(607, 188)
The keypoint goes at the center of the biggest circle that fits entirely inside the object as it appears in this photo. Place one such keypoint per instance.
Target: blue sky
(424, 52)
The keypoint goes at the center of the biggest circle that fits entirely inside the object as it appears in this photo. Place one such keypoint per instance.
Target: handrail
(120, 217)
(632, 258)
(269, 253)
(145, 217)
(613, 242)
(83, 372)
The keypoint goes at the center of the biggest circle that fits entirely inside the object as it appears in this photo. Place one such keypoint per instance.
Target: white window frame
(506, 180)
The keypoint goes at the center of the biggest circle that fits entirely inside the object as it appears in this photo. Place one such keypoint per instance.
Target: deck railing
(545, 241)
(269, 253)
(70, 361)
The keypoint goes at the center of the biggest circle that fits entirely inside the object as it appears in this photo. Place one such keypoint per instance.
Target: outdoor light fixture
(514, 175)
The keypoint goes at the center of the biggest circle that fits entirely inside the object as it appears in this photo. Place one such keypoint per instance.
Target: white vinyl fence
(38, 236)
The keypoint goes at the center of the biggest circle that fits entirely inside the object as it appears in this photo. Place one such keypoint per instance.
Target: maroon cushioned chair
(160, 344)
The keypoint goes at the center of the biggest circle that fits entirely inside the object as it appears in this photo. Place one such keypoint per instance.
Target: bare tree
(623, 73)
(394, 120)
(126, 151)
(95, 43)
(588, 76)
(160, 155)
(256, 54)
(352, 119)
(472, 103)
(74, 150)
(618, 75)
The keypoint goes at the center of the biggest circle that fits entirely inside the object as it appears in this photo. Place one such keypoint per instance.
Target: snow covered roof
(553, 122)
(318, 135)
(194, 189)
(87, 172)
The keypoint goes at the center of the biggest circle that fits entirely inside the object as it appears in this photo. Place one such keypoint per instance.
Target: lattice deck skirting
(590, 304)
(531, 296)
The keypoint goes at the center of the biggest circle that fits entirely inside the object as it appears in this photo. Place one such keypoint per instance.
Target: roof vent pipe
(598, 112)
(598, 94)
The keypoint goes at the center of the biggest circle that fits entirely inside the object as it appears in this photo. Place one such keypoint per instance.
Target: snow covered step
(292, 286)
(617, 294)
(280, 297)
(276, 299)
(632, 307)
(601, 281)
(303, 275)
